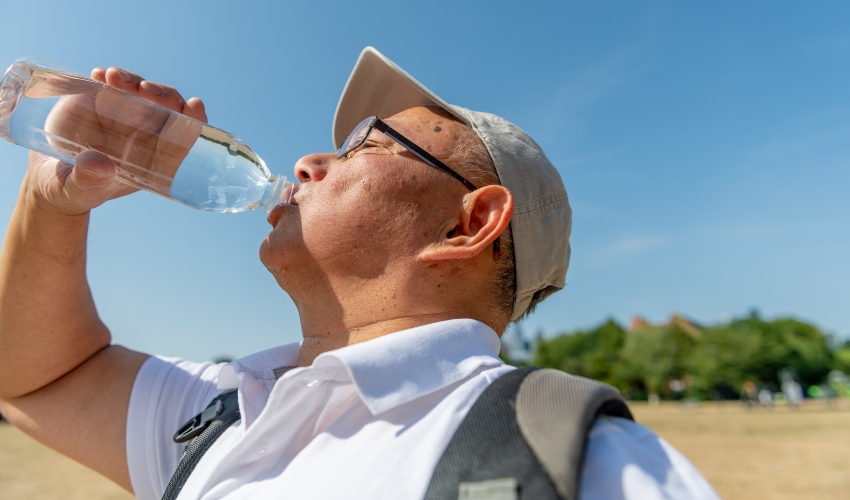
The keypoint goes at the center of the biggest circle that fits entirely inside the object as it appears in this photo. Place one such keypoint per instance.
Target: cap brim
(378, 87)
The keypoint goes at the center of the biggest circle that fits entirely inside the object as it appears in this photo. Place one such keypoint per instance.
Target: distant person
(749, 393)
(765, 398)
(407, 253)
(793, 392)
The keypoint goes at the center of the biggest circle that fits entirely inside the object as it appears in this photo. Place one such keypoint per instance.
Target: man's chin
(272, 256)
(266, 254)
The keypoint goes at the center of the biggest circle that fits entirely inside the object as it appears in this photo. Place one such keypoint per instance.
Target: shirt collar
(392, 369)
(260, 366)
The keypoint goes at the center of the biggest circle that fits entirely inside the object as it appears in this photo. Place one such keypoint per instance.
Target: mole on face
(437, 128)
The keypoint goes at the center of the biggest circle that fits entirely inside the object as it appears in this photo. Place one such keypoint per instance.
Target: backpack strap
(555, 412)
(524, 438)
(202, 430)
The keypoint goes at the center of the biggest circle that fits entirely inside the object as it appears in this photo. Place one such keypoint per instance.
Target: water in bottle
(61, 114)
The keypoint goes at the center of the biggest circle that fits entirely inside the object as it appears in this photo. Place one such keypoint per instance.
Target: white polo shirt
(368, 421)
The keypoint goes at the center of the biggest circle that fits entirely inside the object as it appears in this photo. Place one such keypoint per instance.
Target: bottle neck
(278, 191)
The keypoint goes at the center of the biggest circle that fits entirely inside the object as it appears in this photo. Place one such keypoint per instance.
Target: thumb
(92, 179)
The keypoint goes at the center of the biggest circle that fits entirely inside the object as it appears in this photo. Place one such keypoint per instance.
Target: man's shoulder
(622, 458)
(625, 459)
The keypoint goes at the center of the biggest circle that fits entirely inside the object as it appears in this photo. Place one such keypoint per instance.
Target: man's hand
(145, 141)
(61, 380)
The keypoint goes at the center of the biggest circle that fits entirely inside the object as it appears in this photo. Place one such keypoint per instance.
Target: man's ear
(485, 215)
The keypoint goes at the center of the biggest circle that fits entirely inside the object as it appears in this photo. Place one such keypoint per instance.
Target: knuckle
(173, 94)
(126, 77)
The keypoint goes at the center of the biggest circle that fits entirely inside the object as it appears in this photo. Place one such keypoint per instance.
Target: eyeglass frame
(376, 123)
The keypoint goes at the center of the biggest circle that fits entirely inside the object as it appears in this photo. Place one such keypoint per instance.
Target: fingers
(164, 95)
(195, 108)
(90, 184)
(99, 74)
(122, 79)
(92, 171)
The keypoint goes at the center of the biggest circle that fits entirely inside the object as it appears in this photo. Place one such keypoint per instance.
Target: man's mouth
(275, 214)
(287, 197)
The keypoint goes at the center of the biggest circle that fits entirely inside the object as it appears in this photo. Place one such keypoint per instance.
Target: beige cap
(542, 217)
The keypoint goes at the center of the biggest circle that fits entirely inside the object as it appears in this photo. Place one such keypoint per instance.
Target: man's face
(359, 218)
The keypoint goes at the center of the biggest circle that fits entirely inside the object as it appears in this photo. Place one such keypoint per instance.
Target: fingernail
(124, 76)
(154, 88)
(97, 173)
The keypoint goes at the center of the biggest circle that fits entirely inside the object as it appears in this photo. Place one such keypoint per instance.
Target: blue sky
(705, 147)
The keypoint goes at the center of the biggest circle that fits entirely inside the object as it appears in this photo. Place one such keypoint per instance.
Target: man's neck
(335, 315)
(318, 340)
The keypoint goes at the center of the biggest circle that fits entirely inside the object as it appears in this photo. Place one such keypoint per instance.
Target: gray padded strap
(488, 451)
(198, 446)
(555, 411)
(278, 372)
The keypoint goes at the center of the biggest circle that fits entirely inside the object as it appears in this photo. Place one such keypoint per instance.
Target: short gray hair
(480, 170)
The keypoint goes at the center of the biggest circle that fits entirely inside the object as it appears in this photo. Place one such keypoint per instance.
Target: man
(406, 252)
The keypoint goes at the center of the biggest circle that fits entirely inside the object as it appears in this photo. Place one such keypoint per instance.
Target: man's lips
(277, 212)
(290, 197)
(288, 194)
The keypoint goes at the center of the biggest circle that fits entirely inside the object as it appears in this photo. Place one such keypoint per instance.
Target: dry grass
(773, 454)
(30, 470)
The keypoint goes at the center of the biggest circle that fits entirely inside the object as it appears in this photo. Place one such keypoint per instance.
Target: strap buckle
(195, 426)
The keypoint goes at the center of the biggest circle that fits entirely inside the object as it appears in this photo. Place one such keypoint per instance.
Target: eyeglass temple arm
(421, 153)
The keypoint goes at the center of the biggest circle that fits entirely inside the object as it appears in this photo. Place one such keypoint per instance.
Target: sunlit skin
(377, 243)
(382, 241)
(60, 379)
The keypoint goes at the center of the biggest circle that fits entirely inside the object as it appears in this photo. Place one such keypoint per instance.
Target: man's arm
(60, 379)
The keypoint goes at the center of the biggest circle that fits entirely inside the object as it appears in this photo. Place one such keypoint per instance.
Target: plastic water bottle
(60, 114)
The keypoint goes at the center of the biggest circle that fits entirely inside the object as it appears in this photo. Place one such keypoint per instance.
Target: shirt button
(262, 450)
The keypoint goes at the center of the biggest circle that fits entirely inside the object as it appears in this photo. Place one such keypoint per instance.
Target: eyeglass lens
(357, 137)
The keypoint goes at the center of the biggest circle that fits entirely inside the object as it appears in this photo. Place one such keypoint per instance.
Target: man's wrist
(46, 211)
(43, 209)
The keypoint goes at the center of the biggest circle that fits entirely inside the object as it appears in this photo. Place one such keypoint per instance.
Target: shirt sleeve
(625, 460)
(167, 392)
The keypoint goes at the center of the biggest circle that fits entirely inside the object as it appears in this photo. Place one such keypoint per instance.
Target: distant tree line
(681, 361)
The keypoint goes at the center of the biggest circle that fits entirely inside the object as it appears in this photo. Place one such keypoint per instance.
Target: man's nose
(313, 167)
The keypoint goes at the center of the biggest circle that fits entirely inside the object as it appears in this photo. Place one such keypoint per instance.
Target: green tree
(650, 358)
(592, 354)
(788, 343)
(841, 357)
(754, 349)
(717, 359)
(722, 360)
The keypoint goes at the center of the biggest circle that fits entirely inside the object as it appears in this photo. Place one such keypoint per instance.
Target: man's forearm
(48, 321)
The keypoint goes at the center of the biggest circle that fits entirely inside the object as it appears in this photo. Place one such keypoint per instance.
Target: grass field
(776, 453)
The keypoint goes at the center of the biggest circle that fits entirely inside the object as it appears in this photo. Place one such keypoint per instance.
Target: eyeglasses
(361, 132)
